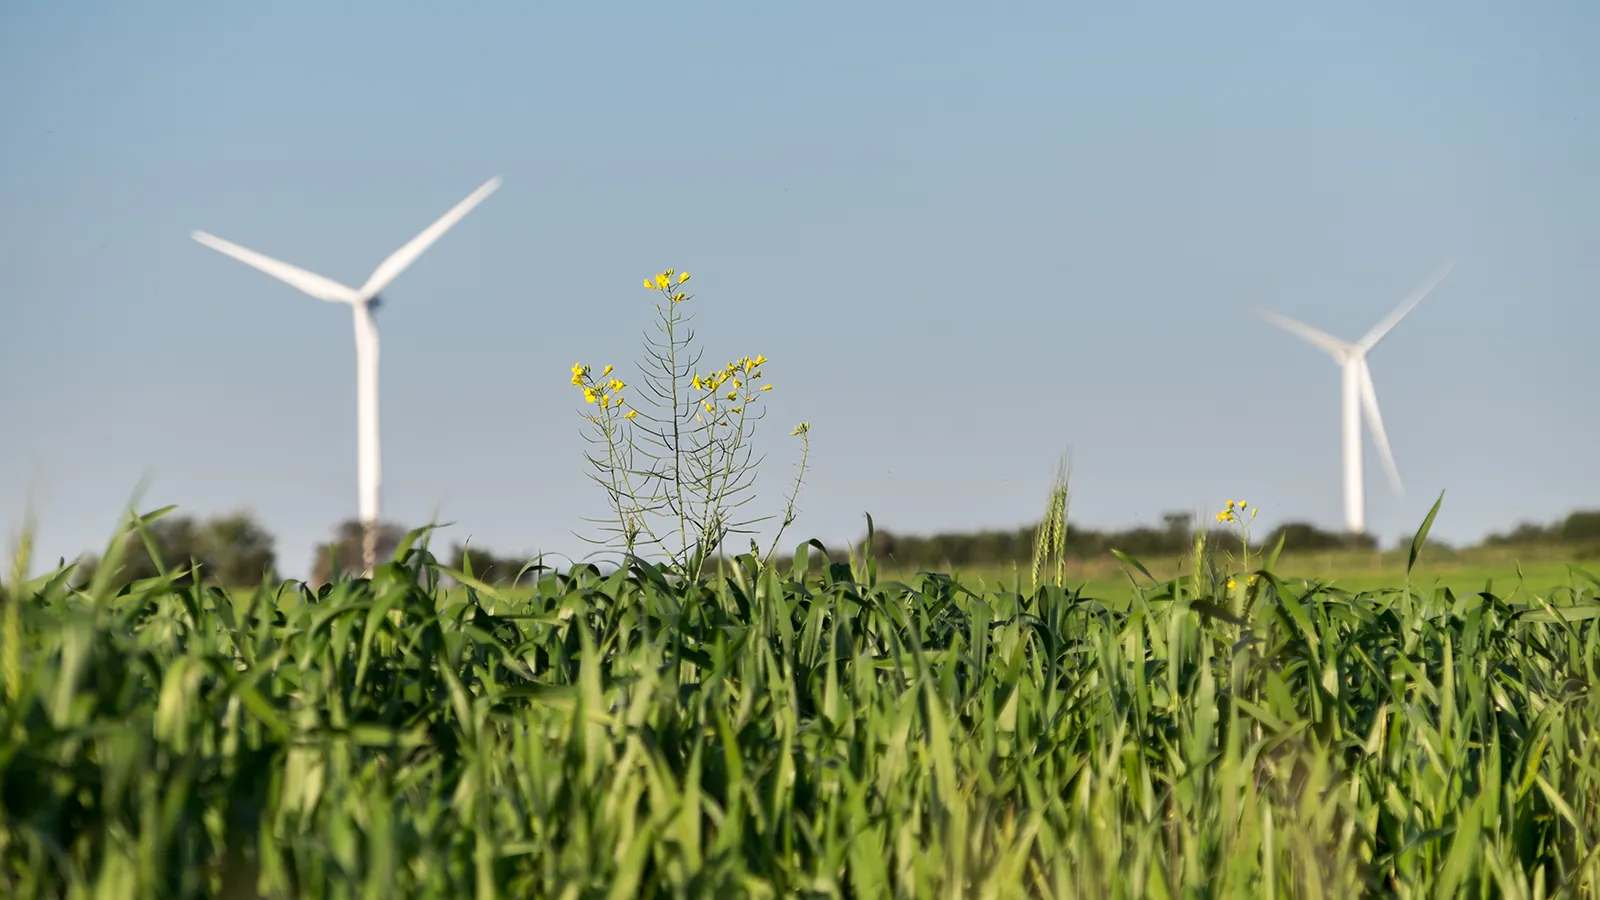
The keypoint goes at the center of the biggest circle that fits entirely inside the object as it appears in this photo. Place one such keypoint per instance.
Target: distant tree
(1582, 527)
(1525, 534)
(1432, 548)
(238, 550)
(1144, 541)
(347, 548)
(1304, 536)
(486, 566)
(1362, 541)
(1004, 547)
(177, 541)
(232, 550)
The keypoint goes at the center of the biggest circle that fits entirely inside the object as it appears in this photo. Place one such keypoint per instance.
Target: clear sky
(968, 237)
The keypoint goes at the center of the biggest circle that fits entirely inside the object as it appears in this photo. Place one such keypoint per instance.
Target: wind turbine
(1358, 394)
(363, 301)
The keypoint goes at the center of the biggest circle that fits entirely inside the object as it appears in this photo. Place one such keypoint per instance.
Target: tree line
(1579, 531)
(235, 550)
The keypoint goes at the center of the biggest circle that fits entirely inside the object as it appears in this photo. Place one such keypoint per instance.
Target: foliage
(239, 550)
(233, 550)
(1304, 536)
(344, 551)
(489, 568)
(1579, 529)
(770, 734)
(678, 471)
(1176, 536)
(939, 551)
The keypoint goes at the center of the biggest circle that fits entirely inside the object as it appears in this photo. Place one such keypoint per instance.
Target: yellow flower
(631, 414)
(1252, 580)
(802, 428)
(1222, 517)
(766, 387)
(732, 394)
(736, 410)
(617, 403)
(649, 284)
(683, 277)
(661, 282)
(709, 407)
(679, 297)
(589, 395)
(1231, 584)
(605, 401)
(606, 371)
(616, 385)
(760, 359)
(696, 382)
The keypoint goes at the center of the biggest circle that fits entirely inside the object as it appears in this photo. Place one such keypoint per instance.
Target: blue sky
(967, 240)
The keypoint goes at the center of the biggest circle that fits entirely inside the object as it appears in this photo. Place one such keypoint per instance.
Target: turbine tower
(363, 301)
(1358, 395)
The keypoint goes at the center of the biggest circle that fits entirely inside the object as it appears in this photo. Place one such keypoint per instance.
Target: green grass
(1543, 573)
(766, 736)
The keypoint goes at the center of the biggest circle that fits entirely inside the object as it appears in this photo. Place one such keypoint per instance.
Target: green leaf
(403, 549)
(1135, 563)
(1272, 558)
(1213, 611)
(1421, 537)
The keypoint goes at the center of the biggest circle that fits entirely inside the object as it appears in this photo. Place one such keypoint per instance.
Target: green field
(762, 734)
(1539, 572)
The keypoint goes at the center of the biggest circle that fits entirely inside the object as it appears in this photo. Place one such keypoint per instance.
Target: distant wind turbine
(1359, 396)
(363, 301)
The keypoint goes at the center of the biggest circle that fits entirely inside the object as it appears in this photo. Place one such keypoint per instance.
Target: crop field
(1505, 575)
(771, 731)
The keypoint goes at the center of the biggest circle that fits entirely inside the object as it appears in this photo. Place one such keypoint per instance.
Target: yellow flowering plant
(678, 471)
(1240, 514)
(607, 410)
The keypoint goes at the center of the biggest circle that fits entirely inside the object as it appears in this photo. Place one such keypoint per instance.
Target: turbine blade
(1382, 328)
(310, 282)
(1369, 405)
(1336, 348)
(391, 268)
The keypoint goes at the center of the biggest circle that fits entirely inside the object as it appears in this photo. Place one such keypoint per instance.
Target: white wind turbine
(363, 301)
(1359, 396)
